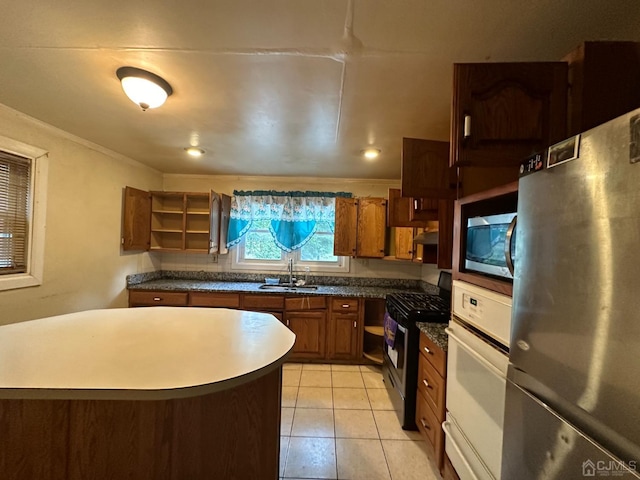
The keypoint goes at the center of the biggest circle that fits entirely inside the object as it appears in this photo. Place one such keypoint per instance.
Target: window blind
(15, 209)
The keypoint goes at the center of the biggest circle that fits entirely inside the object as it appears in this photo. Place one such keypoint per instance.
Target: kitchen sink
(287, 288)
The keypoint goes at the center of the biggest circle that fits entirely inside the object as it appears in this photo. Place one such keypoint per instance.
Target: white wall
(227, 184)
(84, 267)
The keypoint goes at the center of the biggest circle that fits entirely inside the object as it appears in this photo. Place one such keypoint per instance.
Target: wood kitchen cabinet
(373, 340)
(430, 401)
(360, 227)
(603, 83)
(409, 212)
(426, 172)
(502, 113)
(214, 299)
(146, 298)
(172, 221)
(345, 329)
(307, 318)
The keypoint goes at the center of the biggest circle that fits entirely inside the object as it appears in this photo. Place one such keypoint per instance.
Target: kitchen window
(268, 228)
(22, 204)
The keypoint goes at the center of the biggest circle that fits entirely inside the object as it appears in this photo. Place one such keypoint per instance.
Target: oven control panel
(486, 310)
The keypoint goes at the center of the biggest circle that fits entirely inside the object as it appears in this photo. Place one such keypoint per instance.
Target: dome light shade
(371, 153)
(195, 152)
(143, 88)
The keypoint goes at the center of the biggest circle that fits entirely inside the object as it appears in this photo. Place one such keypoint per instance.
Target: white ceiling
(271, 87)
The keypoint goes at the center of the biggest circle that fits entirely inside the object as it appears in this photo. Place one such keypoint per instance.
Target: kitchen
(83, 266)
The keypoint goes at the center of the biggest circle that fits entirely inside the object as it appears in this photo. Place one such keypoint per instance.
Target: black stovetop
(408, 308)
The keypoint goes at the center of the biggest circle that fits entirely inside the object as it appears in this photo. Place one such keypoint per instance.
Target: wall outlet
(213, 258)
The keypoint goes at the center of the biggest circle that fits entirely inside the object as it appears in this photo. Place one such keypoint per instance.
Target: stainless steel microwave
(490, 245)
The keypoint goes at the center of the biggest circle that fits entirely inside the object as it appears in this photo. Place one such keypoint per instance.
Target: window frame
(37, 222)
(239, 262)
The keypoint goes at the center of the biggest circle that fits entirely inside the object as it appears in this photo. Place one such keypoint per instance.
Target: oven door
(476, 386)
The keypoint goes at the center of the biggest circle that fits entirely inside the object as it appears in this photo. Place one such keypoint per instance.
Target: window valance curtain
(293, 216)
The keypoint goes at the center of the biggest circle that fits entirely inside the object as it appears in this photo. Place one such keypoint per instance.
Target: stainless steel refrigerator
(573, 391)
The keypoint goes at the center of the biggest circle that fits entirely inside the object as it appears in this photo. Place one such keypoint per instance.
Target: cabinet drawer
(305, 303)
(344, 305)
(434, 354)
(426, 421)
(432, 386)
(266, 302)
(175, 299)
(201, 299)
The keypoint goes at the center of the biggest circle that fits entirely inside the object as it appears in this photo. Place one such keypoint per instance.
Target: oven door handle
(456, 447)
(492, 368)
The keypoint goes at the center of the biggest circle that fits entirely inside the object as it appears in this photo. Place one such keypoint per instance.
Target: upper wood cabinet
(136, 219)
(425, 169)
(504, 112)
(171, 221)
(603, 83)
(409, 212)
(360, 227)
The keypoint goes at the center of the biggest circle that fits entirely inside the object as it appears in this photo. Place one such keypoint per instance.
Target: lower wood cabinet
(219, 300)
(310, 330)
(326, 328)
(148, 299)
(345, 329)
(430, 399)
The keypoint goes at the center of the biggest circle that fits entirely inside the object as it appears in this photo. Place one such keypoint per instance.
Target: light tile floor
(338, 423)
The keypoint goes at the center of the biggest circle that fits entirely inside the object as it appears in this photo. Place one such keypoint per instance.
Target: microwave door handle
(507, 244)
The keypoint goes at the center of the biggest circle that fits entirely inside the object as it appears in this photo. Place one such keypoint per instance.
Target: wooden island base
(229, 434)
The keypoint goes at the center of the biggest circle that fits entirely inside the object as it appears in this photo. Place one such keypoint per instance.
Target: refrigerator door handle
(492, 368)
(508, 240)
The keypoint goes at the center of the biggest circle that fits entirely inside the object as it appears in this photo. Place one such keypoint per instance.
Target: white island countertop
(153, 353)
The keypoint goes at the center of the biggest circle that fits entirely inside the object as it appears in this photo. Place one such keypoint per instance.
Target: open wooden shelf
(374, 330)
(375, 357)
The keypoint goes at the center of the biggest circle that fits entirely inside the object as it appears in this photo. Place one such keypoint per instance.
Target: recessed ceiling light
(371, 153)
(195, 151)
(145, 89)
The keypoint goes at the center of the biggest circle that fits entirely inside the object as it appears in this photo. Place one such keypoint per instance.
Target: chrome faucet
(291, 272)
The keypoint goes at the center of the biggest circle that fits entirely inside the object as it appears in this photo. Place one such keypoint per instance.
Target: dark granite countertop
(435, 332)
(254, 287)
(181, 281)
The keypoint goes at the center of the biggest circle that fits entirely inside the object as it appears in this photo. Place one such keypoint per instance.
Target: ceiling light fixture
(195, 152)
(371, 153)
(143, 88)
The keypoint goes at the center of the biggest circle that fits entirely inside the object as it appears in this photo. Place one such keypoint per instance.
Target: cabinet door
(345, 228)
(136, 219)
(343, 338)
(425, 169)
(407, 212)
(604, 78)
(405, 248)
(503, 112)
(370, 237)
(215, 209)
(225, 214)
(310, 330)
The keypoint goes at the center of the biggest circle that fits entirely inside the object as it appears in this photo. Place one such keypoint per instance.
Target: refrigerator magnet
(564, 151)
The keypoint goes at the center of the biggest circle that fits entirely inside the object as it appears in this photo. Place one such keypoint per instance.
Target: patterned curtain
(293, 215)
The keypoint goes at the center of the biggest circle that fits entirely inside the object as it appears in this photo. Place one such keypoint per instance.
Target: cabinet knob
(355, 325)
(425, 424)
(345, 305)
(157, 299)
(415, 204)
(426, 384)
(428, 351)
